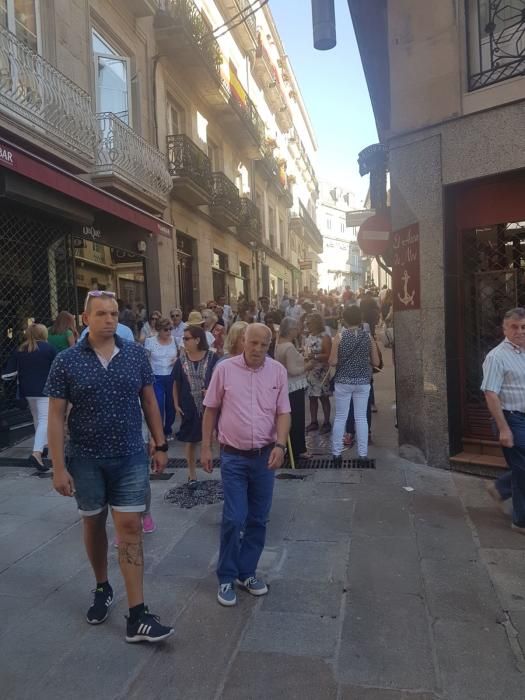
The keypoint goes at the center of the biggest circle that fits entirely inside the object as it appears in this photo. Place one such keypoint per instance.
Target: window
(175, 118)
(496, 41)
(329, 223)
(214, 156)
(112, 79)
(259, 201)
(342, 226)
(220, 260)
(22, 18)
(271, 226)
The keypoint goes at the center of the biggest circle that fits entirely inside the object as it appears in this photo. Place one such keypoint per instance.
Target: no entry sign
(374, 234)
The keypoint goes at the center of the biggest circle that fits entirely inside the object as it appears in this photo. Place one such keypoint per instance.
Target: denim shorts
(121, 482)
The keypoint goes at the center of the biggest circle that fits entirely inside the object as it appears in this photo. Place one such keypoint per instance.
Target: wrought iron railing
(191, 20)
(246, 7)
(185, 159)
(309, 224)
(249, 217)
(120, 150)
(37, 92)
(496, 38)
(225, 194)
(249, 114)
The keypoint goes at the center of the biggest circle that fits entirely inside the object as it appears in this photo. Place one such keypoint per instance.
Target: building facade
(143, 152)
(342, 263)
(447, 82)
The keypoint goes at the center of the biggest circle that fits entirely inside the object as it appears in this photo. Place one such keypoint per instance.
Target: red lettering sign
(406, 278)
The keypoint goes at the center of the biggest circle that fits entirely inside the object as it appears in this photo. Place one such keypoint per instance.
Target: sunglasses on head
(101, 293)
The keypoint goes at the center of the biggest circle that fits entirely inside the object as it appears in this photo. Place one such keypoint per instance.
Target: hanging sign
(406, 278)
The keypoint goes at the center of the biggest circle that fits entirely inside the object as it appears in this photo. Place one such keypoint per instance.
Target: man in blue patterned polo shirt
(103, 378)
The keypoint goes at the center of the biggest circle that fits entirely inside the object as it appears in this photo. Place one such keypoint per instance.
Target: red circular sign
(374, 234)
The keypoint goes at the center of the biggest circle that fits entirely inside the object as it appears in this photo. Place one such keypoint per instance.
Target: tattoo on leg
(131, 553)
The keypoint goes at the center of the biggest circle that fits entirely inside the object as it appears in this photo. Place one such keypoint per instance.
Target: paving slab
(386, 642)
(195, 663)
(192, 556)
(296, 634)
(494, 529)
(260, 676)
(315, 561)
(517, 619)
(382, 512)
(385, 564)
(355, 693)
(305, 596)
(336, 476)
(507, 570)
(322, 520)
(476, 662)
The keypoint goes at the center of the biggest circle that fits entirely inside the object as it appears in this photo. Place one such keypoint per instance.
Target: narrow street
(377, 593)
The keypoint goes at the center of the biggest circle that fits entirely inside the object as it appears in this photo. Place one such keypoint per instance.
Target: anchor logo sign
(407, 299)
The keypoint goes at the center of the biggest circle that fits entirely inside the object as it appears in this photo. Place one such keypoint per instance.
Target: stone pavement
(376, 593)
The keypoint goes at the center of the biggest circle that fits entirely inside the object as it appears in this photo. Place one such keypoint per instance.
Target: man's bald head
(257, 340)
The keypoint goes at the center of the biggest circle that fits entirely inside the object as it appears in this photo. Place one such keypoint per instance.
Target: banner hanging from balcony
(406, 278)
(237, 90)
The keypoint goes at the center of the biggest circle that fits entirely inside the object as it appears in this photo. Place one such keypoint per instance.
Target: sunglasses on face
(167, 328)
(190, 337)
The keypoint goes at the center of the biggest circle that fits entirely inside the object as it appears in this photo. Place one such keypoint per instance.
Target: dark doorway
(185, 265)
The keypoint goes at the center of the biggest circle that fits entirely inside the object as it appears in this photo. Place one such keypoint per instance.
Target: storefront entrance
(485, 277)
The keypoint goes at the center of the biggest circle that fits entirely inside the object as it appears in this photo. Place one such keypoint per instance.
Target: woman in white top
(149, 329)
(287, 354)
(162, 351)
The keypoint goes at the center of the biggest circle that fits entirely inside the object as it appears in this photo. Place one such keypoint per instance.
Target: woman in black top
(30, 364)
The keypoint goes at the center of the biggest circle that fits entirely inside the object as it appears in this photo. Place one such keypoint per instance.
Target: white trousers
(344, 393)
(39, 407)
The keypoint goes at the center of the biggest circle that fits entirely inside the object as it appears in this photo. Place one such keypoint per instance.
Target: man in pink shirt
(251, 392)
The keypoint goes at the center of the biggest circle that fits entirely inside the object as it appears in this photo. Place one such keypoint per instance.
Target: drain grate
(165, 476)
(180, 463)
(293, 477)
(327, 463)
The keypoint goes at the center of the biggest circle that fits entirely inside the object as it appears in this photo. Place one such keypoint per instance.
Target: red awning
(20, 161)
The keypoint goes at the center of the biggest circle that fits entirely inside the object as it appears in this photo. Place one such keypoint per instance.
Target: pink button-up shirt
(250, 401)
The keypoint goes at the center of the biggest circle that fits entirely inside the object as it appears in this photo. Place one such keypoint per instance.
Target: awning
(16, 159)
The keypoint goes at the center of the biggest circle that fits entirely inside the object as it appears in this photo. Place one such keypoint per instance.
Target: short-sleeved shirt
(105, 418)
(60, 341)
(162, 357)
(250, 401)
(504, 374)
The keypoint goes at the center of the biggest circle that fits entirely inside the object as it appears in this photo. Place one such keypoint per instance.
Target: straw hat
(195, 319)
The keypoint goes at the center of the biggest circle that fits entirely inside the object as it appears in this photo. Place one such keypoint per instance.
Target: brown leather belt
(257, 452)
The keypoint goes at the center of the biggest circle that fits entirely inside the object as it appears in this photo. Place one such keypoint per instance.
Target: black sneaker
(147, 629)
(99, 610)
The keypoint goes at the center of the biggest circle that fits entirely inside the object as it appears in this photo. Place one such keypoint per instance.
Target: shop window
(22, 18)
(112, 79)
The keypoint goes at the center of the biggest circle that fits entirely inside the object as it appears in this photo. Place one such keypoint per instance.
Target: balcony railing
(185, 159)
(224, 194)
(249, 114)
(123, 153)
(496, 39)
(45, 99)
(249, 218)
(187, 18)
(303, 216)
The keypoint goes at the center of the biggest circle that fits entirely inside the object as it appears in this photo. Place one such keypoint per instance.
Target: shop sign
(406, 277)
(6, 156)
(305, 264)
(91, 232)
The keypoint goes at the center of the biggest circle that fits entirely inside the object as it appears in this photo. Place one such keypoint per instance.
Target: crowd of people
(236, 374)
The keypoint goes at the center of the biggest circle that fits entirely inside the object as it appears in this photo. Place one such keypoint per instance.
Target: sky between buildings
(334, 91)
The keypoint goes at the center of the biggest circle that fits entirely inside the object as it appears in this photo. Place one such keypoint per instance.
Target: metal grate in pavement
(327, 463)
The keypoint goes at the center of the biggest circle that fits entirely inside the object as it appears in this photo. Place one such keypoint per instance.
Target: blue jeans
(248, 490)
(513, 483)
(164, 392)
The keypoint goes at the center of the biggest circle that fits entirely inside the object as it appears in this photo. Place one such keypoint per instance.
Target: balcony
(246, 31)
(238, 115)
(144, 8)
(190, 170)
(128, 164)
(302, 223)
(43, 105)
(249, 226)
(275, 172)
(298, 151)
(183, 35)
(225, 206)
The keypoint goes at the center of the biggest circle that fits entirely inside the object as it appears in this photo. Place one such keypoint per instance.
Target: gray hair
(287, 326)
(518, 312)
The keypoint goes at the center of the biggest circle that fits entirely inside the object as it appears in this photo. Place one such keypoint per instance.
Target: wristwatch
(161, 448)
(280, 444)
